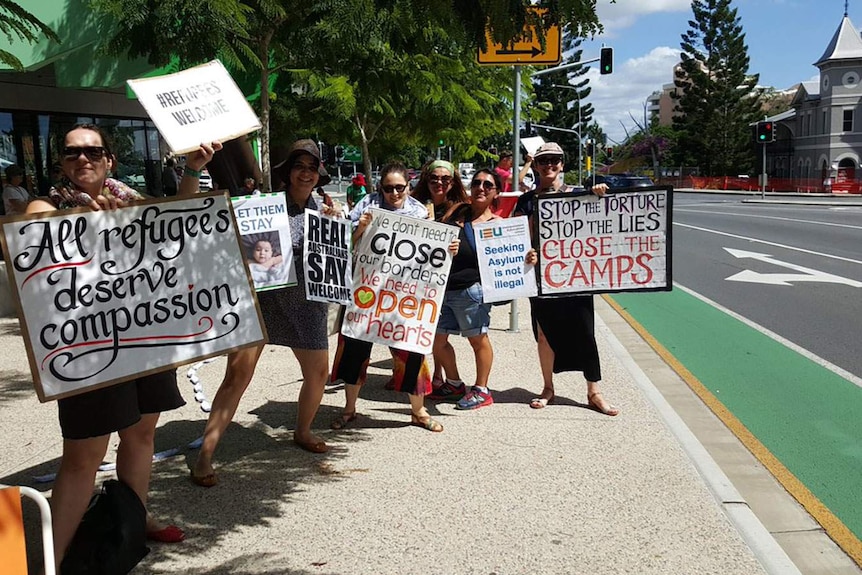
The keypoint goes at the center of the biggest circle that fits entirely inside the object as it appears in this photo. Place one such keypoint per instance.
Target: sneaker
(475, 399)
(449, 391)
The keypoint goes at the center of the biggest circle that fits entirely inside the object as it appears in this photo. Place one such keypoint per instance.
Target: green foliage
(719, 98)
(19, 24)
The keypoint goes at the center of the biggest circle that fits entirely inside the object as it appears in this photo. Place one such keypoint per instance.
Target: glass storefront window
(34, 141)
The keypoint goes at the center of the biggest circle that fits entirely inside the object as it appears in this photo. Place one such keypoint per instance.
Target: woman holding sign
(291, 320)
(564, 327)
(132, 408)
(351, 360)
(464, 311)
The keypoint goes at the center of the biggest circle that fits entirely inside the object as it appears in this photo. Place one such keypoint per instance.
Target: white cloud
(624, 13)
(615, 96)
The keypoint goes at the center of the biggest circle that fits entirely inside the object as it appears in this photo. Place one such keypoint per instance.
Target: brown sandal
(343, 420)
(609, 410)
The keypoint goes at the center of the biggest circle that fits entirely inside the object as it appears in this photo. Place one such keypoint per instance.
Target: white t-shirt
(11, 193)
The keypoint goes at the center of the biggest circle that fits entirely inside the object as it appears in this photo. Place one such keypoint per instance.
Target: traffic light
(590, 149)
(339, 153)
(606, 61)
(441, 142)
(765, 132)
(609, 152)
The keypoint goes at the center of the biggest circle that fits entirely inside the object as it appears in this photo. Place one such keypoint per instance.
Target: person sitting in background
(170, 178)
(249, 187)
(15, 196)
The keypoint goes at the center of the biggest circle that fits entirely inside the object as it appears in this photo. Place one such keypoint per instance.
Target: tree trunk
(266, 176)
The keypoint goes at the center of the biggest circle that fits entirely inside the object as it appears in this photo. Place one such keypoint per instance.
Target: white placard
(327, 265)
(620, 242)
(501, 247)
(200, 104)
(107, 296)
(399, 280)
(264, 228)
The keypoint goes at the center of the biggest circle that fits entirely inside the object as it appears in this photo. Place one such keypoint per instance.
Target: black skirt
(570, 328)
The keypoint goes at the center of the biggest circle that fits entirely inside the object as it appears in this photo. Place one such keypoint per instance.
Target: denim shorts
(463, 312)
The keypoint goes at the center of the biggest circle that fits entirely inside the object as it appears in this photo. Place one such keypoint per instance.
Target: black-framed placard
(617, 243)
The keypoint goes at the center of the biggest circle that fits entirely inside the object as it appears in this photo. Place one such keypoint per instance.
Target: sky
(784, 39)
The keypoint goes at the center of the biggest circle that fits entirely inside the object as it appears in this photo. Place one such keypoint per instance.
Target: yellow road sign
(525, 51)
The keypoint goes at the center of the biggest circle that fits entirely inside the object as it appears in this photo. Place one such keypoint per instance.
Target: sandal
(208, 480)
(541, 402)
(594, 405)
(343, 420)
(426, 422)
(311, 446)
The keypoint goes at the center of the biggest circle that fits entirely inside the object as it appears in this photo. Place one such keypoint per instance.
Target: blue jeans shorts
(463, 312)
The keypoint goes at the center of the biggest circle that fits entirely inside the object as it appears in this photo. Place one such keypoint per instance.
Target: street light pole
(580, 142)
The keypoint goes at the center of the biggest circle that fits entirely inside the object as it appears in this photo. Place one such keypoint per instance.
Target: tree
(718, 98)
(273, 35)
(389, 77)
(569, 108)
(15, 22)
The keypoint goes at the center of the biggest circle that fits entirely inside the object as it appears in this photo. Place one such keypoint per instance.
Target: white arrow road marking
(784, 279)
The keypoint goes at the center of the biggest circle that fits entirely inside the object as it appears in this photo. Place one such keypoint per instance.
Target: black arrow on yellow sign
(533, 51)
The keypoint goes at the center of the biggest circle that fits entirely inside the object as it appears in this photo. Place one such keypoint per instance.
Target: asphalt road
(806, 283)
(763, 323)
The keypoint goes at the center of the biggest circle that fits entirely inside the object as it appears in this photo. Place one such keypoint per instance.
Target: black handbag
(111, 538)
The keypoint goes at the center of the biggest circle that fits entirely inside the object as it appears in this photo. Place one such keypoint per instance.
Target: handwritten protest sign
(502, 246)
(264, 228)
(200, 104)
(108, 296)
(327, 266)
(399, 280)
(621, 242)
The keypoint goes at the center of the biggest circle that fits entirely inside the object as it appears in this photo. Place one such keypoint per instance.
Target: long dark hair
(456, 193)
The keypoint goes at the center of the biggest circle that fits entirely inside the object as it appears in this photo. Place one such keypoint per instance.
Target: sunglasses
(548, 160)
(93, 153)
(392, 189)
(440, 179)
(484, 184)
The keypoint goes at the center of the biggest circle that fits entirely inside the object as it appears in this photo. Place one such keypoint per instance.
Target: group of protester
(563, 326)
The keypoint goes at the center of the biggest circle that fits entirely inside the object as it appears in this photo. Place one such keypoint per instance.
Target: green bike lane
(801, 420)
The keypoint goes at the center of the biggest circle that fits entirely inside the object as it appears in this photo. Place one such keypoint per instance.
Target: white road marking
(807, 275)
(755, 240)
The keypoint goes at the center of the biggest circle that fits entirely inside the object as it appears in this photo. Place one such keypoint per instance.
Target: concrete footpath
(503, 490)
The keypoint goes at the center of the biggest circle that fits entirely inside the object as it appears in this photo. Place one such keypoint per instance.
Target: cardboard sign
(620, 242)
(264, 229)
(327, 266)
(401, 269)
(502, 246)
(108, 296)
(200, 104)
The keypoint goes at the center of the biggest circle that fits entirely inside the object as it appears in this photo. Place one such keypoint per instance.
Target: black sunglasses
(93, 153)
(484, 184)
(440, 179)
(548, 160)
(396, 188)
